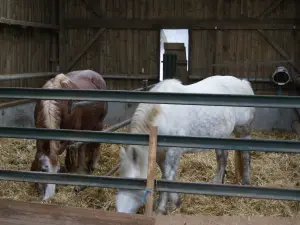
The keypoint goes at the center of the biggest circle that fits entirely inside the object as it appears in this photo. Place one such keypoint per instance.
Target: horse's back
(87, 79)
(222, 85)
(89, 117)
(204, 120)
(232, 85)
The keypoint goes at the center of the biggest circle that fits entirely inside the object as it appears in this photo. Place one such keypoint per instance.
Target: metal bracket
(145, 85)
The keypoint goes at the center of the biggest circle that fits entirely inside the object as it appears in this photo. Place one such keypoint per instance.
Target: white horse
(186, 120)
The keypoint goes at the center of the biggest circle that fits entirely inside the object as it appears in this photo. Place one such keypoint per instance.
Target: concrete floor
(225, 220)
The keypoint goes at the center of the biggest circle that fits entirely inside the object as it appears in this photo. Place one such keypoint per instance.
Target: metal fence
(163, 140)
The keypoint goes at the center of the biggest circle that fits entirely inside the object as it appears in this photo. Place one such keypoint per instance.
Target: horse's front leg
(221, 156)
(82, 164)
(246, 160)
(169, 171)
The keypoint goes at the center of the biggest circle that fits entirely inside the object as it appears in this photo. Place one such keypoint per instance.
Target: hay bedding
(268, 169)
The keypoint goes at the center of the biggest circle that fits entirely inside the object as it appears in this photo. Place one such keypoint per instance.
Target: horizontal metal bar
(71, 179)
(153, 97)
(229, 190)
(142, 139)
(84, 103)
(110, 129)
(251, 79)
(160, 185)
(130, 76)
(5, 77)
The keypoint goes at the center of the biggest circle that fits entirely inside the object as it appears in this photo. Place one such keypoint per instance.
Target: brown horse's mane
(50, 115)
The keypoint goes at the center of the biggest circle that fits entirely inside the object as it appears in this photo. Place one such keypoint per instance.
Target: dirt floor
(268, 169)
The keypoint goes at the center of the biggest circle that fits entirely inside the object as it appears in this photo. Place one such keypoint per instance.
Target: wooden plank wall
(127, 51)
(116, 52)
(25, 50)
(237, 47)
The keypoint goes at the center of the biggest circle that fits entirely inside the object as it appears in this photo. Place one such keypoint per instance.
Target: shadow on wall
(23, 115)
(265, 118)
(274, 119)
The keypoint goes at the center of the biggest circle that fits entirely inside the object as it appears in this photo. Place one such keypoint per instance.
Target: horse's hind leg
(169, 170)
(94, 156)
(221, 156)
(244, 132)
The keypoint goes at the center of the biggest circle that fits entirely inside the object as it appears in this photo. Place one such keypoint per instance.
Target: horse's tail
(248, 84)
(238, 163)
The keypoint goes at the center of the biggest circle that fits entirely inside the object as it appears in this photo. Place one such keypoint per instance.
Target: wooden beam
(91, 6)
(17, 212)
(219, 39)
(24, 24)
(54, 38)
(270, 9)
(85, 48)
(278, 49)
(62, 37)
(183, 23)
(22, 76)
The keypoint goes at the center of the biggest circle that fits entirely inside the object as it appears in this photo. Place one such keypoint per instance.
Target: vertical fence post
(151, 170)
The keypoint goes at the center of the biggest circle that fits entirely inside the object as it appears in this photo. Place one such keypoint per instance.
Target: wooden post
(151, 170)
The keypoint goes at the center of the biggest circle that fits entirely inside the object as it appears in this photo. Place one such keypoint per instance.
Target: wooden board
(17, 213)
(226, 220)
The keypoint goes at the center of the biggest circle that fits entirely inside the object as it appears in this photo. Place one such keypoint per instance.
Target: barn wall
(127, 51)
(26, 50)
(246, 53)
(116, 52)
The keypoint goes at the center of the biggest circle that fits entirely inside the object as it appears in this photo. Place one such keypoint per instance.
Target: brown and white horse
(53, 114)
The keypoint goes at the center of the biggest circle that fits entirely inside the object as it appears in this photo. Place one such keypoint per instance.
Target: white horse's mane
(146, 113)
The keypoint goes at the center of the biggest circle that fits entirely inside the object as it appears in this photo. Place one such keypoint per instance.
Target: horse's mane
(51, 116)
(145, 113)
(168, 85)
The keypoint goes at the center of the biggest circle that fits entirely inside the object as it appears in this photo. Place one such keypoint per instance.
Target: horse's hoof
(246, 182)
(77, 189)
(178, 203)
(175, 198)
(214, 181)
(63, 169)
(161, 212)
